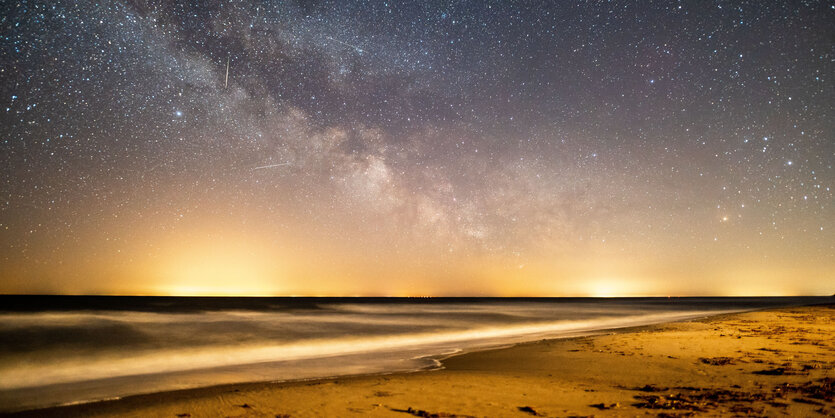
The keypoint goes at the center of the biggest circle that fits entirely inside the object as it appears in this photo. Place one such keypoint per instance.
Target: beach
(774, 362)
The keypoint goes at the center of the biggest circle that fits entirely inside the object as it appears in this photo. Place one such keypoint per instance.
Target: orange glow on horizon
(210, 258)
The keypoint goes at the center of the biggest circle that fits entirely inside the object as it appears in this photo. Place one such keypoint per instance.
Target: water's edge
(393, 359)
(434, 363)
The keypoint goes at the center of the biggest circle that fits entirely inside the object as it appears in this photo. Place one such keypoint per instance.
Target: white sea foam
(119, 363)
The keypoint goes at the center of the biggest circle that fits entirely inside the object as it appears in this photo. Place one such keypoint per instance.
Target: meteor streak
(358, 49)
(271, 166)
(226, 84)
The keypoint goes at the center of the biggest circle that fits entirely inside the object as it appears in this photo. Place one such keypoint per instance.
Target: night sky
(423, 148)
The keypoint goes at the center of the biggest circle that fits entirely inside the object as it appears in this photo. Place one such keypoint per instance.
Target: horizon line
(411, 296)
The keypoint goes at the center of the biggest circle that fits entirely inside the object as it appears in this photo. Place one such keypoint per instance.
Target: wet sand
(765, 363)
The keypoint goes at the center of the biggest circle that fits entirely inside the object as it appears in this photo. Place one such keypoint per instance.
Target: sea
(60, 350)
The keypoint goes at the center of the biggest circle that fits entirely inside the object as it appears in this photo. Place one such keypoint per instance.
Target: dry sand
(767, 363)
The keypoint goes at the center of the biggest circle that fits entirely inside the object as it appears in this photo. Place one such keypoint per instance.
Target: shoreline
(204, 400)
(436, 360)
(424, 362)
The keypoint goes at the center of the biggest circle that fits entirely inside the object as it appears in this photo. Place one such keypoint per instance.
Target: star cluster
(479, 148)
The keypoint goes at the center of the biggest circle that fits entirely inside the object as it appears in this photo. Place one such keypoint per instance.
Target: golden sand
(766, 363)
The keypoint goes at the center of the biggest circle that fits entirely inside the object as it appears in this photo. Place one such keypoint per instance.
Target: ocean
(57, 350)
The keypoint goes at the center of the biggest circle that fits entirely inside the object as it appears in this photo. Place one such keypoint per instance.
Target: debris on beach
(777, 371)
(717, 361)
(823, 389)
(602, 406)
(529, 410)
(703, 399)
(745, 409)
(650, 388)
(672, 401)
(427, 414)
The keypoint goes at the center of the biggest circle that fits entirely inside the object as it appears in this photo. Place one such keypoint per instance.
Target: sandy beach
(764, 363)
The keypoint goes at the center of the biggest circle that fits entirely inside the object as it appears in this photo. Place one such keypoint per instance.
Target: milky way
(479, 148)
